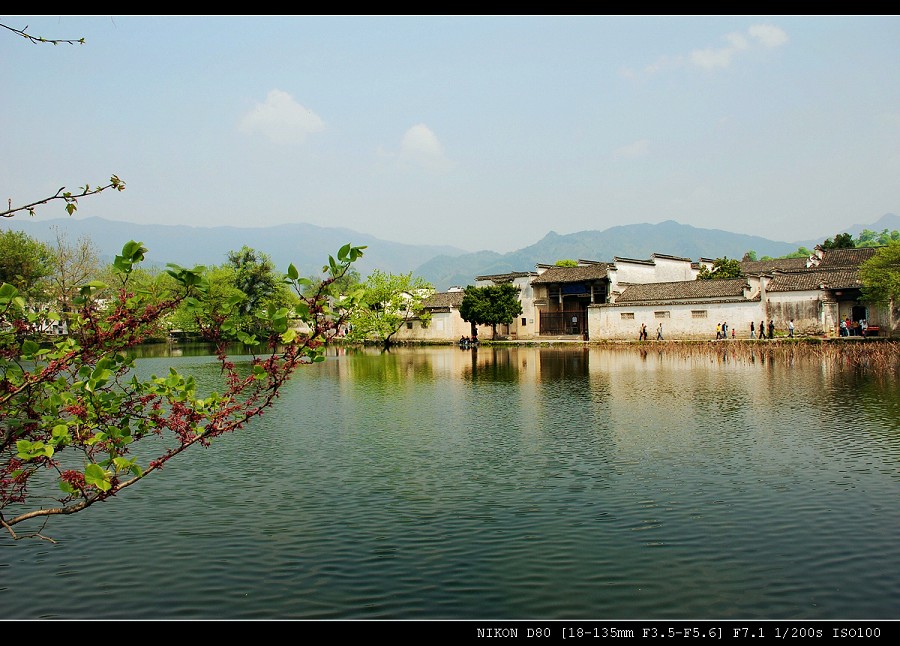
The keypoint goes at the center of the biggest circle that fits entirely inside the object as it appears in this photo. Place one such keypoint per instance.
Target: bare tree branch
(39, 39)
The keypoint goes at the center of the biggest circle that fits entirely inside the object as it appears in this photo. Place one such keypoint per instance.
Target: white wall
(608, 322)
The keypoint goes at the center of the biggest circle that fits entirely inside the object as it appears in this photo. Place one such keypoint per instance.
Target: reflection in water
(511, 482)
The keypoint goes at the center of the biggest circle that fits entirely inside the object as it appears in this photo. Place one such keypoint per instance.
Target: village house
(824, 292)
(685, 309)
(598, 300)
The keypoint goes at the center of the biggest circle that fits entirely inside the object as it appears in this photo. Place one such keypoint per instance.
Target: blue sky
(475, 131)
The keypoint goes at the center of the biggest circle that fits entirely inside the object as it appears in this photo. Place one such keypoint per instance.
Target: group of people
(465, 341)
(853, 328)
(722, 331)
(642, 333)
(763, 330)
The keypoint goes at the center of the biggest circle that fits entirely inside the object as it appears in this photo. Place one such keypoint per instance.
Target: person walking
(791, 328)
(718, 331)
(771, 328)
(659, 336)
(752, 330)
(762, 330)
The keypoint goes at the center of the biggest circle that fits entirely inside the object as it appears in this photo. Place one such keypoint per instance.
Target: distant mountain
(888, 221)
(626, 241)
(304, 245)
(308, 246)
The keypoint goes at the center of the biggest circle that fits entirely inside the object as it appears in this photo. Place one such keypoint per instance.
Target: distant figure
(771, 328)
(732, 333)
(724, 330)
(659, 336)
(718, 331)
(791, 328)
(762, 330)
(752, 330)
(642, 334)
(863, 326)
(844, 330)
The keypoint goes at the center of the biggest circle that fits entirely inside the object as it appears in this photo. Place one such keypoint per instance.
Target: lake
(506, 483)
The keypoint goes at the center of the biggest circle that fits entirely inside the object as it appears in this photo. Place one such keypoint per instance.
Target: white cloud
(281, 119)
(738, 41)
(768, 35)
(663, 63)
(632, 151)
(712, 58)
(421, 147)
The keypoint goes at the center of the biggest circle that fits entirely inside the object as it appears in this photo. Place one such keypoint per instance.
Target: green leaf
(96, 475)
(292, 272)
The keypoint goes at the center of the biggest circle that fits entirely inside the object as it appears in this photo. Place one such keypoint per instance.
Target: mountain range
(307, 246)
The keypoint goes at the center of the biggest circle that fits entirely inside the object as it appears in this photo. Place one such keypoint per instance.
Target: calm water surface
(507, 483)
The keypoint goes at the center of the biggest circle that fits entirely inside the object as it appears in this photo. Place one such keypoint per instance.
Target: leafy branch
(38, 39)
(71, 199)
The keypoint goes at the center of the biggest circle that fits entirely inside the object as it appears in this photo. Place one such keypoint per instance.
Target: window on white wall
(627, 316)
(698, 314)
(661, 315)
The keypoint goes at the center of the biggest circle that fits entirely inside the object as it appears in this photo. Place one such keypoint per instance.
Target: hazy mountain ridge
(308, 246)
(305, 245)
(637, 241)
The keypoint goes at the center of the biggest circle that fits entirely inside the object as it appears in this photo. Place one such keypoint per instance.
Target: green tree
(385, 302)
(840, 241)
(491, 305)
(25, 263)
(868, 238)
(880, 276)
(254, 276)
(749, 256)
(566, 262)
(721, 268)
(72, 410)
(802, 252)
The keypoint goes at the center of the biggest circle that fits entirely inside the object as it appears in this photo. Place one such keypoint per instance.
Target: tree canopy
(880, 275)
(840, 241)
(73, 411)
(491, 305)
(385, 302)
(25, 263)
(721, 268)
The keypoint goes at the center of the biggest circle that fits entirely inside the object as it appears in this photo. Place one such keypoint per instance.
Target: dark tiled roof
(766, 266)
(507, 277)
(683, 289)
(633, 260)
(846, 257)
(444, 299)
(662, 255)
(572, 274)
(814, 279)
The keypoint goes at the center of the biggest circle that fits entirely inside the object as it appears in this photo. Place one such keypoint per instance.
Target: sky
(479, 132)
